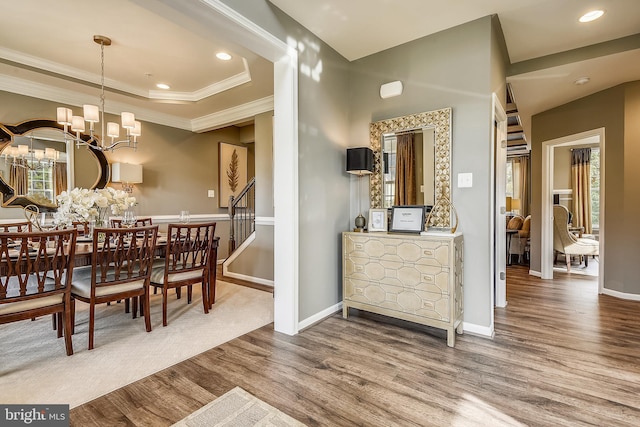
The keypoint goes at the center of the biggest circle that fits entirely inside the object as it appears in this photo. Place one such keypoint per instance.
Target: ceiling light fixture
(581, 81)
(93, 114)
(223, 56)
(591, 16)
(163, 86)
(29, 158)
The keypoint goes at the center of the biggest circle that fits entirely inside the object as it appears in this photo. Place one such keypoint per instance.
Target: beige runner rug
(239, 409)
(35, 368)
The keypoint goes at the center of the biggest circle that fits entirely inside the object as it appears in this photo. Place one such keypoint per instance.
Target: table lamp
(515, 206)
(360, 162)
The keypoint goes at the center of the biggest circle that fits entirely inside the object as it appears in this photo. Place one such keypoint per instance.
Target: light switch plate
(211, 193)
(465, 180)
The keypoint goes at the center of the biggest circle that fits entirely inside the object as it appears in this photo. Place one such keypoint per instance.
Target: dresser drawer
(431, 305)
(428, 278)
(398, 249)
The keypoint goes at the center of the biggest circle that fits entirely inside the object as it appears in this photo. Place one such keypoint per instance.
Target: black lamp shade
(359, 160)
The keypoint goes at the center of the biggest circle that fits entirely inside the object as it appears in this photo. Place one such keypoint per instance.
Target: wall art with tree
(232, 170)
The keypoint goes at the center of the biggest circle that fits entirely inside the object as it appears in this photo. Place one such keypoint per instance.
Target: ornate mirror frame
(7, 132)
(440, 120)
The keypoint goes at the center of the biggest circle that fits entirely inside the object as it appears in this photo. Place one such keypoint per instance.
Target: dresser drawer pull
(359, 268)
(358, 245)
(427, 278)
(359, 291)
(428, 253)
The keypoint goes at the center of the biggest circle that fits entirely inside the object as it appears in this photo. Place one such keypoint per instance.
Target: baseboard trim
(483, 331)
(535, 273)
(309, 321)
(621, 295)
(257, 280)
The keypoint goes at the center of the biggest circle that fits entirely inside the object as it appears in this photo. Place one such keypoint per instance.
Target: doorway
(594, 137)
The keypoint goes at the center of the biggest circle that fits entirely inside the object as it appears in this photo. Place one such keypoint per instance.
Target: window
(513, 183)
(41, 181)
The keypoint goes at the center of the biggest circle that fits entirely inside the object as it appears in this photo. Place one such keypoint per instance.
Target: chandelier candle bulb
(128, 120)
(51, 153)
(91, 113)
(77, 124)
(113, 130)
(137, 129)
(64, 116)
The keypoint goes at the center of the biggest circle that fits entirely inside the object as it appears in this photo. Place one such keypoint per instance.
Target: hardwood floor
(562, 356)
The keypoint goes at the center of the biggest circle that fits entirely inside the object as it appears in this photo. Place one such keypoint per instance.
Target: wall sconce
(127, 174)
(360, 162)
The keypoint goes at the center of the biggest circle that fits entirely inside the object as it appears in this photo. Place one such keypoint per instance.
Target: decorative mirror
(434, 128)
(37, 164)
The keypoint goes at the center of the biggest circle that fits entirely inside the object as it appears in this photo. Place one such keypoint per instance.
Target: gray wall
(323, 128)
(454, 68)
(617, 110)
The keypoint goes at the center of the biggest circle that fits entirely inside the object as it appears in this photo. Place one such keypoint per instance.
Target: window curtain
(581, 185)
(521, 175)
(405, 191)
(60, 177)
(19, 176)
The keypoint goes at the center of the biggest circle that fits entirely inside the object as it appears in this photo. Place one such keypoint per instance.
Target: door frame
(546, 202)
(499, 156)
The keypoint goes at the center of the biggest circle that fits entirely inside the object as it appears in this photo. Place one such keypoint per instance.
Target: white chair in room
(565, 242)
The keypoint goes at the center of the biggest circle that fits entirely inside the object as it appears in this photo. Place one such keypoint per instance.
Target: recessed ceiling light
(223, 55)
(582, 81)
(163, 86)
(591, 16)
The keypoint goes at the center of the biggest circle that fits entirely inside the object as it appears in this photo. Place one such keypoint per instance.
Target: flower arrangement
(83, 205)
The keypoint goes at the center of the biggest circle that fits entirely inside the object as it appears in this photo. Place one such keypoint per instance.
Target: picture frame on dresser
(378, 220)
(407, 219)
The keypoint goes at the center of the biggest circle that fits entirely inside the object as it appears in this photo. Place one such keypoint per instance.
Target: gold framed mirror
(439, 121)
(46, 165)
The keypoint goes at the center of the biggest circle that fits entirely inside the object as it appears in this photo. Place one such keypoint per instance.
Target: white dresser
(411, 277)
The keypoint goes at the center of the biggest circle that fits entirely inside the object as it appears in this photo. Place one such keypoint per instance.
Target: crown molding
(200, 94)
(22, 59)
(232, 115)
(211, 121)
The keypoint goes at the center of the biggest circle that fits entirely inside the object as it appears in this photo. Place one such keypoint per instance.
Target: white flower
(83, 205)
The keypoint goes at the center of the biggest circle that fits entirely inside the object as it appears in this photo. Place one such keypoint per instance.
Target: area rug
(239, 409)
(35, 369)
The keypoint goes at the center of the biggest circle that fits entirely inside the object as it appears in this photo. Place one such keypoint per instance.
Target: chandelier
(29, 158)
(93, 115)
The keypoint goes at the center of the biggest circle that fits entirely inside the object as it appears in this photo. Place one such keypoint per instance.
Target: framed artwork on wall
(232, 171)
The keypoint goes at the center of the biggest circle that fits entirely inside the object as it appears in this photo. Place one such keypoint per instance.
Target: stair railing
(242, 216)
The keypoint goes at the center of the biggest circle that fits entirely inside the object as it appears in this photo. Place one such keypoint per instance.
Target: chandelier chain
(102, 135)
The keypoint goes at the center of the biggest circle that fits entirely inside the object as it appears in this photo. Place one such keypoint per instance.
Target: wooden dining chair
(140, 222)
(187, 262)
(120, 269)
(21, 226)
(82, 227)
(36, 274)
